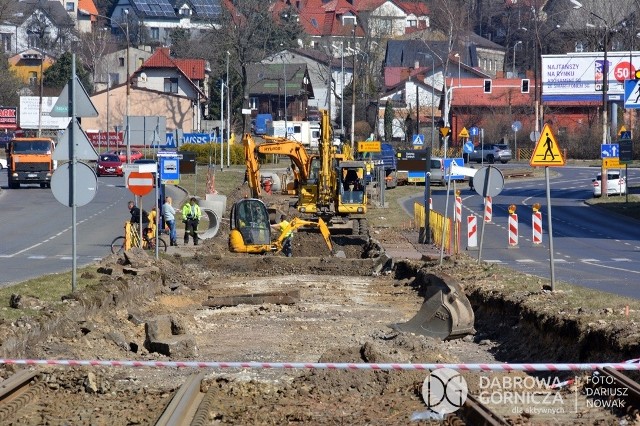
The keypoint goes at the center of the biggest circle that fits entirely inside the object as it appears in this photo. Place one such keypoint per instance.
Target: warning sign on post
(547, 152)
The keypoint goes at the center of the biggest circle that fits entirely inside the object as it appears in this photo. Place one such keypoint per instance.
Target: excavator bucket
(324, 230)
(446, 312)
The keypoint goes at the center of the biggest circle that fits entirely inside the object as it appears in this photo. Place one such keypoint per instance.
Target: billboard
(29, 108)
(8, 118)
(580, 76)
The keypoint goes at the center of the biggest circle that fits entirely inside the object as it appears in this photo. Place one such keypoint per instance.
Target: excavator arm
(299, 223)
(253, 166)
(292, 149)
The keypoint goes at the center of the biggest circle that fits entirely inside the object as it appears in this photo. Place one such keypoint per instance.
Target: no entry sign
(140, 183)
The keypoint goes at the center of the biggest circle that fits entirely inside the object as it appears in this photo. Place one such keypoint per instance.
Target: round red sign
(140, 183)
(624, 71)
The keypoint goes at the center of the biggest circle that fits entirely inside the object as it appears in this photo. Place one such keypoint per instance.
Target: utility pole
(353, 92)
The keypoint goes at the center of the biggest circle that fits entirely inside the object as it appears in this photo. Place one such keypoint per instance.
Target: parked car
(3, 164)
(437, 171)
(109, 165)
(490, 153)
(122, 153)
(616, 184)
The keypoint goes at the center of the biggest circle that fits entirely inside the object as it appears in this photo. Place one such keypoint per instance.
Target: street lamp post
(342, 89)
(433, 95)
(228, 114)
(284, 73)
(128, 90)
(605, 86)
(514, 57)
(353, 91)
(459, 58)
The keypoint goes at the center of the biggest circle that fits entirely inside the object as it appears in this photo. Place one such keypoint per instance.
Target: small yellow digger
(251, 229)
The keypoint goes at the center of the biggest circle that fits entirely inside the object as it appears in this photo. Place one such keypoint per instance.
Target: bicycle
(118, 244)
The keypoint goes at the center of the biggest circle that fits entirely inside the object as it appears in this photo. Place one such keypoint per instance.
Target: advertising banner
(581, 75)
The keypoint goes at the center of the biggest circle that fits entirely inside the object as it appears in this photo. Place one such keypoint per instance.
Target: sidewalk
(412, 249)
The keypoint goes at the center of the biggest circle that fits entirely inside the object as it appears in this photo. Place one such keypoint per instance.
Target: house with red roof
(164, 86)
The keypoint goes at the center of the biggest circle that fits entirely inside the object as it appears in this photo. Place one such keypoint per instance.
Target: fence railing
(440, 226)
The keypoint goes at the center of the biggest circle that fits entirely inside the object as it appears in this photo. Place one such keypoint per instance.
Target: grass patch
(49, 289)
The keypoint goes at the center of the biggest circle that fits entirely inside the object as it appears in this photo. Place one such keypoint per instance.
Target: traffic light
(637, 75)
(524, 86)
(487, 86)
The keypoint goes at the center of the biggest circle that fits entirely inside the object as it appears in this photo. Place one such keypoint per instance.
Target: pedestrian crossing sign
(547, 152)
(632, 93)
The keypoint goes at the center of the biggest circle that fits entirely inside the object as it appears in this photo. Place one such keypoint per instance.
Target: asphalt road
(592, 247)
(36, 230)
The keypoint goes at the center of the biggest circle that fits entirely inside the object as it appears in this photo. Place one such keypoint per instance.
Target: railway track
(475, 413)
(189, 406)
(18, 391)
(621, 386)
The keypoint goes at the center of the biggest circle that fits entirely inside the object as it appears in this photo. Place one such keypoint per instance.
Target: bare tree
(93, 47)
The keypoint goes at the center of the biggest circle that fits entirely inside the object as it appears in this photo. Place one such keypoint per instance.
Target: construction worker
(191, 217)
(287, 247)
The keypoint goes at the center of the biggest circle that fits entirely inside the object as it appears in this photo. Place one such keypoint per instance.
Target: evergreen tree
(59, 74)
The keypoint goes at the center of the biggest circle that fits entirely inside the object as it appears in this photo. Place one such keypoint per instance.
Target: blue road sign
(474, 131)
(610, 150)
(625, 135)
(447, 166)
(418, 140)
(632, 93)
(468, 147)
(170, 169)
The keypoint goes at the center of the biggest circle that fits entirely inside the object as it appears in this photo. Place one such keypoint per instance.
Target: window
(253, 102)
(121, 61)
(6, 42)
(413, 23)
(155, 33)
(579, 46)
(487, 86)
(524, 87)
(70, 6)
(349, 21)
(33, 78)
(32, 40)
(171, 85)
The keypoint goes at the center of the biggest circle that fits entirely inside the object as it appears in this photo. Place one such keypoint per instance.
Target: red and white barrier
(537, 227)
(458, 209)
(513, 229)
(472, 231)
(621, 366)
(488, 209)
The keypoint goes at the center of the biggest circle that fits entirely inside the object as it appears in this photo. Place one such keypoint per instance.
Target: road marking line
(621, 259)
(36, 257)
(617, 269)
(525, 261)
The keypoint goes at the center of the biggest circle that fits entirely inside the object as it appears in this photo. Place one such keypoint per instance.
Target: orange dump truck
(29, 161)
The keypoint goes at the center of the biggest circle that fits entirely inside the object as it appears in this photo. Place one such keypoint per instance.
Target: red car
(122, 153)
(109, 165)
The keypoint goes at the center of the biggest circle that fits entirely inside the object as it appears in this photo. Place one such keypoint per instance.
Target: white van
(437, 171)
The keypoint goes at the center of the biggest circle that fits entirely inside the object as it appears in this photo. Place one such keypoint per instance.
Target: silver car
(490, 153)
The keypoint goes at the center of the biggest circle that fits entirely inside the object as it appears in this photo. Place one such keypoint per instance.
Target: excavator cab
(351, 184)
(250, 227)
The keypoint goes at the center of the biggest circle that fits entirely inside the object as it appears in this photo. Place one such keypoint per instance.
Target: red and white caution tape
(321, 365)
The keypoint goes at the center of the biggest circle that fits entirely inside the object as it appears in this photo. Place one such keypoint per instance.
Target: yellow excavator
(251, 229)
(300, 160)
(335, 189)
